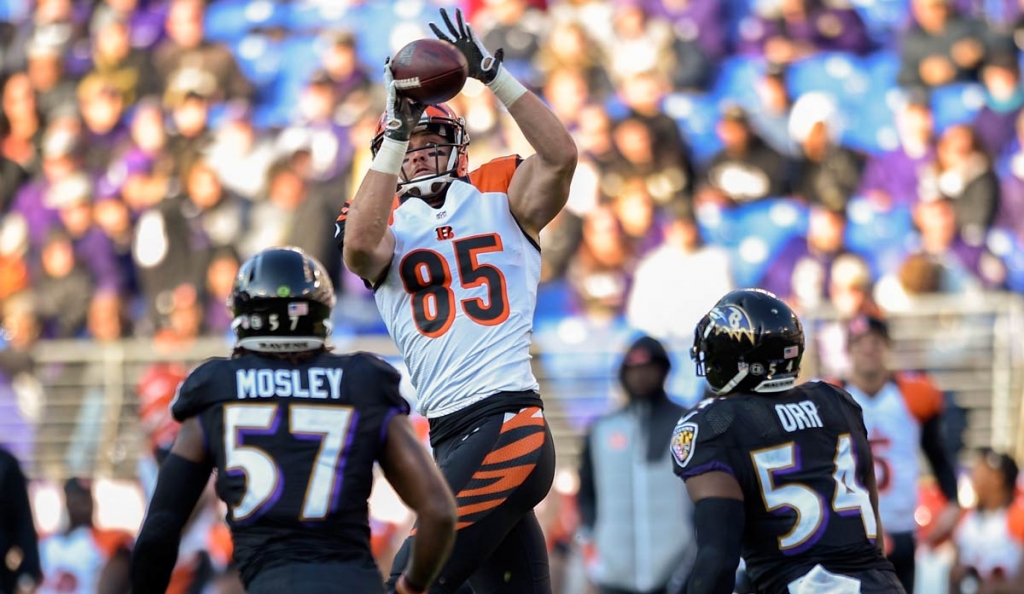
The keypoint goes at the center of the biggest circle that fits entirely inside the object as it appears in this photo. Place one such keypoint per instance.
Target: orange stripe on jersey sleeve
(922, 398)
(496, 174)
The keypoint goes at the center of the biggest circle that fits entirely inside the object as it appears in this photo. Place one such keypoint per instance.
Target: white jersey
(992, 542)
(459, 296)
(893, 418)
(72, 563)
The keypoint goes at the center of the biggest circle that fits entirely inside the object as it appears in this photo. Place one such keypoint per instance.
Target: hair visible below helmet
(281, 302)
(440, 119)
(751, 341)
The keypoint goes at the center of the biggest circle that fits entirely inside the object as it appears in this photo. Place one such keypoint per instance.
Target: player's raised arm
(540, 186)
(419, 483)
(368, 243)
(181, 482)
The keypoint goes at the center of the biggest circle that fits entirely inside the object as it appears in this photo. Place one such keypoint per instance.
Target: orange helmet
(440, 119)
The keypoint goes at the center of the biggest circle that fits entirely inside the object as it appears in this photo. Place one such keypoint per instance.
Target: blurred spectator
(637, 213)
(850, 294)
(643, 94)
(596, 17)
(650, 549)
(700, 21)
(940, 47)
(141, 175)
(145, 19)
(315, 133)
(600, 271)
(220, 276)
(800, 272)
(72, 199)
(567, 92)
(642, 44)
(746, 169)
(13, 251)
(55, 92)
(891, 178)
(569, 46)
(20, 573)
(518, 28)
(22, 124)
(963, 173)
(12, 176)
(185, 54)
(353, 85)
(102, 106)
(666, 178)
(770, 118)
(797, 29)
(173, 241)
(1004, 99)
(128, 69)
(239, 154)
(903, 416)
(1011, 204)
(62, 290)
(106, 318)
(190, 135)
(113, 219)
(655, 305)
(61, 153)
(939, 261)
(57, 22)
(82, 558)
(990, 539)
(829, 173)
(288, 202)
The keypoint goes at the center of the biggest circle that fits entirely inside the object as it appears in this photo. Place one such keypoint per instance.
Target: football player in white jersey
(902, 413)
(454, 262)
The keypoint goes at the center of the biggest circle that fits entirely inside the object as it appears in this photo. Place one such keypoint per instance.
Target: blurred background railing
(973, 348)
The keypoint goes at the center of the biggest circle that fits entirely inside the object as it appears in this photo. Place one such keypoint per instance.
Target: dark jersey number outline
(427, 277)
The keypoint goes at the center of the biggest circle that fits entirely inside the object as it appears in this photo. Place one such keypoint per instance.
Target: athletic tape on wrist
(390, 156)
(505, 87)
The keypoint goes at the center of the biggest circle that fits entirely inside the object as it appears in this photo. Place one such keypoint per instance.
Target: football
(430, 71)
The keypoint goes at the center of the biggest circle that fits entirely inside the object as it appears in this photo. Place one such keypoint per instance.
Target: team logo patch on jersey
(733, 321)
(683, 440)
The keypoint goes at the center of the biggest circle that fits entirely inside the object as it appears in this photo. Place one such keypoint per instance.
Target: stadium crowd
(842, 155)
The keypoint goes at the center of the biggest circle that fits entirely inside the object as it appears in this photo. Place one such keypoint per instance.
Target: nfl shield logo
(683, 440)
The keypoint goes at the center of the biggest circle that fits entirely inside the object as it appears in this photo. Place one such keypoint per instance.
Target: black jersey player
(780, 473)
(293, 431)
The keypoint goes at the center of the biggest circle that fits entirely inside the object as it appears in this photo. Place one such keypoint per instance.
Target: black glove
(402, 114)
(482, 65)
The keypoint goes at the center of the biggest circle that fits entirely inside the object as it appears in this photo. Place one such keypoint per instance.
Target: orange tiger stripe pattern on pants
(506, 467)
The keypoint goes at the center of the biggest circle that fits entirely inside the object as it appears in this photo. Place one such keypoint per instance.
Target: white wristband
(505, 87)
(390, 156)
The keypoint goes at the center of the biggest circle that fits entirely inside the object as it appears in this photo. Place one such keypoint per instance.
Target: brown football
(430, 71)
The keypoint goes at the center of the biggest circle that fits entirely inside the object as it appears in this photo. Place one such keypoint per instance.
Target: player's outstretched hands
(482, 65)
(401, 112)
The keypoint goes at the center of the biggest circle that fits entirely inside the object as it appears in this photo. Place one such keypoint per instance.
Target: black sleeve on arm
(178, 488)
(586, 497)
(719, 525)
(934, 446)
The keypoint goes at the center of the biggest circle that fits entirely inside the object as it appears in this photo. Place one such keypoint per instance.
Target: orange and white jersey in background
(893, 419)
(459, 296)
(992, 542)
(72, 563)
